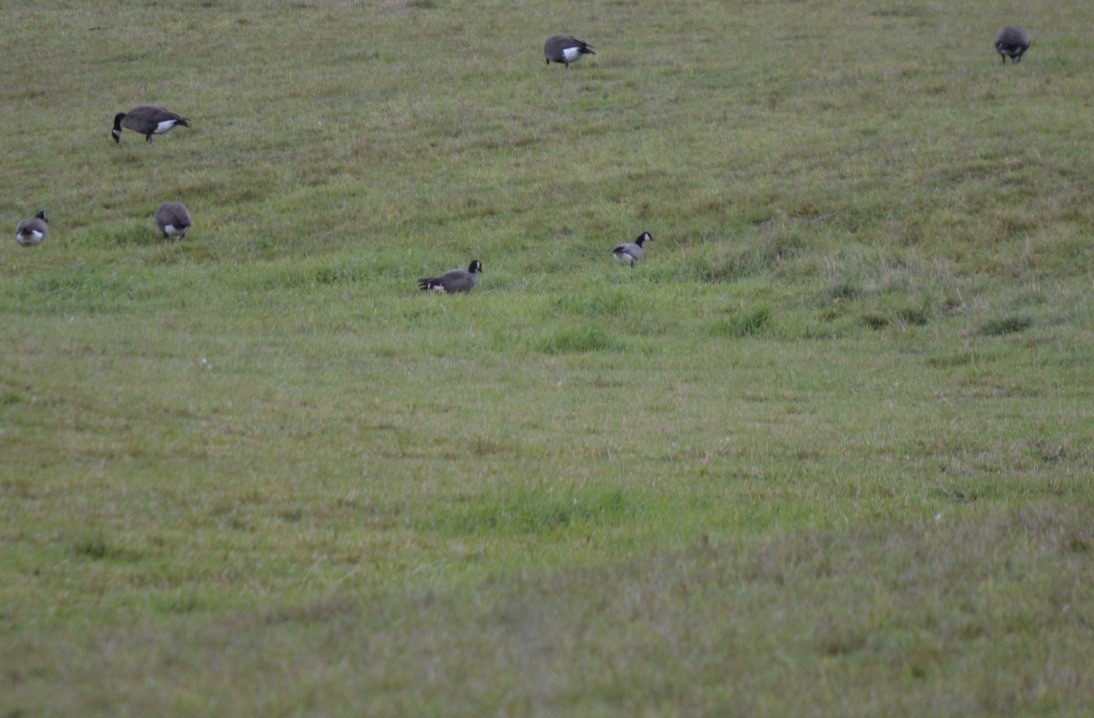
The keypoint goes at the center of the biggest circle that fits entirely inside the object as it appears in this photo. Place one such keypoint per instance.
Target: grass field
(826, 452)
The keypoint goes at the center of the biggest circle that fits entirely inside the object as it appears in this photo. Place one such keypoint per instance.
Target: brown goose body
(173, 218)
(1011, 41)
(631, 253)
(32, 232)
(565, 49)
(148, 120)
(456, 280)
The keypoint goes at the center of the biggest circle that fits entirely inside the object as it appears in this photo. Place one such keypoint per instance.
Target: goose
(148, 120)
(456, 280)
(173, 218)
(631, 253)
(1011, 41)
(565, 49)
(32, 232)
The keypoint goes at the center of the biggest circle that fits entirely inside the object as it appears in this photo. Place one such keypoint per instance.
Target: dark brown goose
(631, 253)
(1011, 41)
(148, 120)
(173, 218)
(456, 280)
(565, 49)
(32, 232)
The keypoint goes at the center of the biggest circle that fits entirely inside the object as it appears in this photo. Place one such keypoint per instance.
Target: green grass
(827, 452)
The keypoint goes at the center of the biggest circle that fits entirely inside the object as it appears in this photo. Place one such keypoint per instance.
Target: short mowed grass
(827, 452)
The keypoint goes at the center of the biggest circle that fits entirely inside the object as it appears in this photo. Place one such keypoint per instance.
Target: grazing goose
(565, 49)
(631, 253)
(148, 120)
(456, 280)
(1012, 41)
(173, 218)
(31, 232)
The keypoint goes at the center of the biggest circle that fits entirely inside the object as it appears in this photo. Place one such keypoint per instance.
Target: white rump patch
(164, 126)
(438, 289)
(571, 54)
(29, 238)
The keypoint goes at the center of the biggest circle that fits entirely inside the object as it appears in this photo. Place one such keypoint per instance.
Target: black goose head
(644, 237)
(475, 267)
(116, 133)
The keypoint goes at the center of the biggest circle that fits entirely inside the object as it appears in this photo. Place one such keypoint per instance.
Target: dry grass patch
(860, 622)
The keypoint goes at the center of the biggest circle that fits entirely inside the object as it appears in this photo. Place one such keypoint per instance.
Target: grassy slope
(828, 451)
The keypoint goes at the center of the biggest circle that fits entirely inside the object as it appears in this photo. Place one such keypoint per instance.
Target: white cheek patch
(571, 54)
(164, 126)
